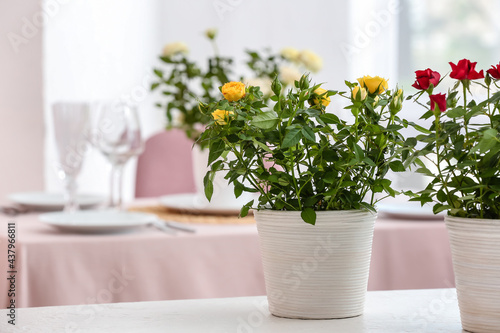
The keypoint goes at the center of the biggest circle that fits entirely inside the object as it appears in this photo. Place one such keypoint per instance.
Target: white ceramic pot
(223, 195)
(316, 271)
(475, 250)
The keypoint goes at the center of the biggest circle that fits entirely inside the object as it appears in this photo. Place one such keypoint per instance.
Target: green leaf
(209, 185)
(490, 133)
(309, 216)
(261, 145)
(456, 112)
(359, 152)
(421, 129)
(425, 171)
(158, 73)
(292, 137)
(308, 133)
(216, 150)
(397, 166)
(244, 210)
(238, 188)
(330, 118)
(265, 120)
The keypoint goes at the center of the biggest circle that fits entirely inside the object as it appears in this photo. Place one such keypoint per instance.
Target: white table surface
(429, 310)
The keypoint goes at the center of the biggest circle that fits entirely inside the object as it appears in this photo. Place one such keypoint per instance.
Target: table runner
(169, 214)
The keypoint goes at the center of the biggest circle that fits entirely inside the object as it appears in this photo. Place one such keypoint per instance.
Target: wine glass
(118, 136)
(71, 126)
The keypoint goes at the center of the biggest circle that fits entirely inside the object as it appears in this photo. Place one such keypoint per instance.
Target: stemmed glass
(117, 135)
(71, 126)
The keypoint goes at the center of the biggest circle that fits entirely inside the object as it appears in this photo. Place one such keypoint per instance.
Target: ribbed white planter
(316, 271)
(475, 249)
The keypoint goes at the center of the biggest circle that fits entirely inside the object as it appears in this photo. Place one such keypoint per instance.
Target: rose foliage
(299, 157)
(460, 152)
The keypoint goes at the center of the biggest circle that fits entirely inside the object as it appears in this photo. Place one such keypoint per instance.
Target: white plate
(409, 210)
(97, 221)
(53, 201)
(193, 203)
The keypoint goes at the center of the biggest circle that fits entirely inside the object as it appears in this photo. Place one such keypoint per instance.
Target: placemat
(169, 214)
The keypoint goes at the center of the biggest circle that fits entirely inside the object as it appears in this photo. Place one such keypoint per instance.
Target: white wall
(21, 105)
(101, 50)
(257, 24)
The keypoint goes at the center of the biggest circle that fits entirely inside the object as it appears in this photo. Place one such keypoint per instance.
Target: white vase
(475, 250)
(223, 195)
(316, 271)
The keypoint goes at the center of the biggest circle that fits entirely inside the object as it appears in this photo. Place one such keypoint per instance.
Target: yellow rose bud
(211, 33)
(233, 91)
(221, 116)
(359, 94)
(375, 84)
(397, 102)
(375, 101)
(325, 100)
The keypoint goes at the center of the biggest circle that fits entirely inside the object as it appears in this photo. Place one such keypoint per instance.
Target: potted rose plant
(318, 178)
(461, 153)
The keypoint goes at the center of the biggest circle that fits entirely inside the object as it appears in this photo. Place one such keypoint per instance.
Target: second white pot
(475, 250)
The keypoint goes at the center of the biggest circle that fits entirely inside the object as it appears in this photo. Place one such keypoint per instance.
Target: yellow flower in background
(233, 91)
(311, 60)
(289, 74)
(291, 54)
(221, 116)
(325, 100)
(263, 83)
(174, 48)
(375, 84)
(359, 94)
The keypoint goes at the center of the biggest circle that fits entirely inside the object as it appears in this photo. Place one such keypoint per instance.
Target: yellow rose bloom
(375, 84)
(362, 94)
(325, 100)
(233, 91)
(221, 116)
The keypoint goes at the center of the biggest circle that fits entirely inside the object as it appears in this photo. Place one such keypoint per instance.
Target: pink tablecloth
(56, 268)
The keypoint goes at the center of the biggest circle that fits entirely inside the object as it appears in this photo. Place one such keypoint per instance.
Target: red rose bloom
(465, 70)
(440, 100)
(426, 78)
(494, 71)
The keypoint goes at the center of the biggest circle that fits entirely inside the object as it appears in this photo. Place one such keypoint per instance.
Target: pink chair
(165, 167)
